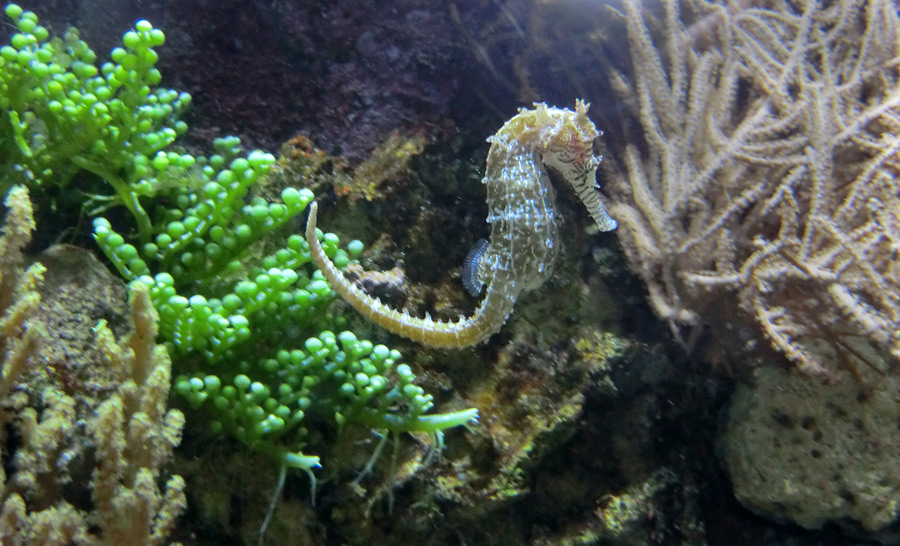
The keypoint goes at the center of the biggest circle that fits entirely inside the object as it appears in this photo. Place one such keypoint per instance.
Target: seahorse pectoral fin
(470, 277)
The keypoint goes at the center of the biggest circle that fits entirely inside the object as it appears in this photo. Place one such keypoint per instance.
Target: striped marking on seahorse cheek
(522, 213)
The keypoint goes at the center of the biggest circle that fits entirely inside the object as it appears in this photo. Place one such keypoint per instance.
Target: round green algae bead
(314, 345)
(114, 240)
(13, 11)
(186, 161)
(131, 40)
(240, 164)
(259, 212)
(270, 405)
(160, 162)
(260, 160)
(405, 372)
(297, 243)
(242, 382)
(217, 234)
(164, 279)
(212, 383)
(183, 387)
(21, 41)
(39, 69)
(331, 239)
(243, 232)
(319, 288)
(198, 302)
(341, 260)
(302, 298)
(410, 390)
(259, 391)
(175, 230)
(129, 62)
(283, 256)
(277, 211)
(152, 140)
(148, 57)
(380, 353)
(196, 384)
(191, 223)
(239, 322)
(270, 365)
(157, 37)
(263, 280)
(231, 303)
(117, 54)
(45, 54)
(285, 276)
(127, 252)
(355, 247)
(255, 413)
(27, 24)
(246, 290)
(292, 197)
(377, 383)
(347, 339)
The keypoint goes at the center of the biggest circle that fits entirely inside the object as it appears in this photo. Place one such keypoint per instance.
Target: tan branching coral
(134, 436)
(766, 173)
(78, 425)
(18, 295)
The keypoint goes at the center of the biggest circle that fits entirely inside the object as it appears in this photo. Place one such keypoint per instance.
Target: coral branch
(770, 180)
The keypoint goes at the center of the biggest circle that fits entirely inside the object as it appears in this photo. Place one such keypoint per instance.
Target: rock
(814, 451)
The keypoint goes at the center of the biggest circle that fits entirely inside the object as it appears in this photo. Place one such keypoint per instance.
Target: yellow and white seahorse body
(524, 239)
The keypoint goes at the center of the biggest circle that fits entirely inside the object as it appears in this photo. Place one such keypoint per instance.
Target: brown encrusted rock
(812, 451)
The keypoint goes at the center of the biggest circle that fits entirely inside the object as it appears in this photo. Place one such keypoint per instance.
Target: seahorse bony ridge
(524, 238)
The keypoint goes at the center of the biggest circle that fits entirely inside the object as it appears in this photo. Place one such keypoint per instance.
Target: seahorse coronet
(524, 240)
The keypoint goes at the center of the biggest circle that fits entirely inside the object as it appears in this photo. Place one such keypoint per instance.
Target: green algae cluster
(247, 318)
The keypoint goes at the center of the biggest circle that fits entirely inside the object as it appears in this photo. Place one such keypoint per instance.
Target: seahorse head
(568, 146)
(563, 139)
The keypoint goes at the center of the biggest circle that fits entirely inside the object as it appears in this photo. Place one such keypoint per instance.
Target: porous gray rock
(813, 451)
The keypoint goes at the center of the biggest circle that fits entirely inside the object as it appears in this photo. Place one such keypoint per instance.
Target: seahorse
(524, 239)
